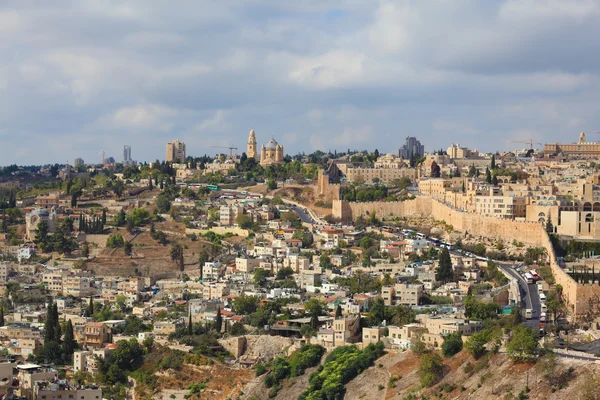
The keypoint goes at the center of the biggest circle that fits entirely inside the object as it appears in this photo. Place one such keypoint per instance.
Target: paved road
(529, 296)
(304, 216)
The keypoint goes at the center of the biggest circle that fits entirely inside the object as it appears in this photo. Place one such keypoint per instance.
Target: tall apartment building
(126, 154)
(78, 161)
(175, 151)
(412, 147)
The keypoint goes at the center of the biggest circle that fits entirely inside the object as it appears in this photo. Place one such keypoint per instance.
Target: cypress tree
(1, 316)
(69, 344)
(338, 312)
(90, 308)
(49, 329)
(219, 320)
(57, 328)
(190, 326)
(444, 269)
(4, 223)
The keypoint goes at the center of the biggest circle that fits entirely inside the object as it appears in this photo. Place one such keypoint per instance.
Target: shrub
(260, 369)
(452, 344)
(430, 369)
(341, 365)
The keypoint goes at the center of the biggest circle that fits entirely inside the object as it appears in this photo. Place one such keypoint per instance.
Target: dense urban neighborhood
(418, 275)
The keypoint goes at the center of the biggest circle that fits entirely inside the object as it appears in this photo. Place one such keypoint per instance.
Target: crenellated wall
(583, 300)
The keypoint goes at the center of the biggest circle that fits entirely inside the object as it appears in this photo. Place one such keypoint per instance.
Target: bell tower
(251, 150)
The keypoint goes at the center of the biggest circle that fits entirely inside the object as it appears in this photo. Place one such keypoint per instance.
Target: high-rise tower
(251, 150)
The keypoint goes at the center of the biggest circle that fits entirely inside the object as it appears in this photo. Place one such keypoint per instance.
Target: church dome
(271, 144)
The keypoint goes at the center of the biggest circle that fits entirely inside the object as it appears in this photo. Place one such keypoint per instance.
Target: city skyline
(319, 76)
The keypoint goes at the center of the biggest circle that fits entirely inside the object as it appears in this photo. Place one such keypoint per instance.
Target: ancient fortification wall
(327, 191)
(583, 300)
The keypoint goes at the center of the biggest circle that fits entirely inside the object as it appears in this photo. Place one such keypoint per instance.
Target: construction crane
(231, 148)
(530, 142)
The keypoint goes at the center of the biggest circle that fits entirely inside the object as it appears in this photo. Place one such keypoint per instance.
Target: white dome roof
(271, 144)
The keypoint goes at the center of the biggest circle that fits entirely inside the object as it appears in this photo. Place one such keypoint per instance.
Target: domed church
(271, 153)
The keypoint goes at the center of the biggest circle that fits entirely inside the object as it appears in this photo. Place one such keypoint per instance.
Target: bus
(534, 275)
(528, 278)
(447, 245)
(213, 187)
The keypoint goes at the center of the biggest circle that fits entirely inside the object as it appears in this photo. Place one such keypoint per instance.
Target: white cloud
(390, 32)
(333, 69)
(10, 21)
(354, 136)
(216, 123)
(519, 9)
(143, 116)
(142, 39)
(290, 138)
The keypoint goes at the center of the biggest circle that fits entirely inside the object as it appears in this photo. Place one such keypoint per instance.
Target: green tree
(549, 226)
(338, 312)
(244, 221)
(49, 328)
(120, 218)
(261, 275)
(431, 369)
(378, 312)
(1, 316)
(41, 234)
(163, 205)
(452, 345)
(219, 320)
(245, 304)
(190, 325)
(444, 270)
(522, 344)
(90, 307)
(69, 343)
(177, 256)
(128, 248)
(85, 250)
(115, 241)
(488, 176)
(493, 163)
(284, 273)
(325, 261)
(475, 344)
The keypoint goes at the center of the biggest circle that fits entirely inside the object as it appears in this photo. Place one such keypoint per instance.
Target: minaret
(251, 151)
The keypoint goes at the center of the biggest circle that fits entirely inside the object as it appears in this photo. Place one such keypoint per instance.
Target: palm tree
(177, 255)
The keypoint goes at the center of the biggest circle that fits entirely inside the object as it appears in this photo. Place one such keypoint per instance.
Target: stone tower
(251, 150)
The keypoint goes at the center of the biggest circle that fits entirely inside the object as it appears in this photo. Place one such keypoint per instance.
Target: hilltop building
(582, 148)
(271, 153)
(251, 151)
(411, 148)
(127, 155)
(175, 151)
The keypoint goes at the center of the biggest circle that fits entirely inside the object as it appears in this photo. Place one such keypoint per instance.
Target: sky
(79, 77)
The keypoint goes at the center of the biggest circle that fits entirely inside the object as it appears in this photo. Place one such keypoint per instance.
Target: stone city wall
(583, 300)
